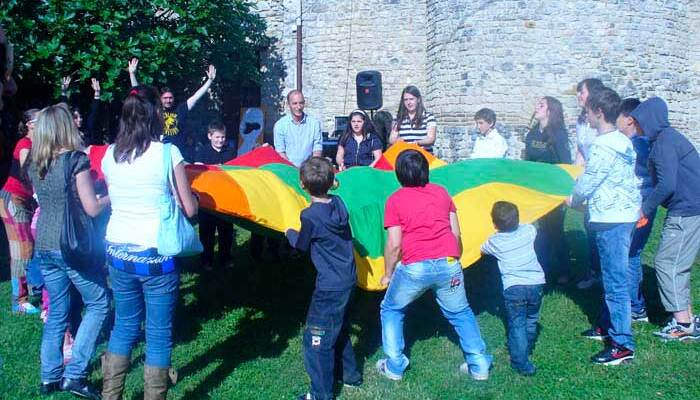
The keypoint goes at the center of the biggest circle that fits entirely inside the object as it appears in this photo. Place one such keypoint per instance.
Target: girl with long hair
(584, 132)
(16, 209)
(359, 145)
(57, 142)
(146, 290)
(548, 142)
(413, 123)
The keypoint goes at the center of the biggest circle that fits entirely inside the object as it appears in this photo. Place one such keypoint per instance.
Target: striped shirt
(411, 134)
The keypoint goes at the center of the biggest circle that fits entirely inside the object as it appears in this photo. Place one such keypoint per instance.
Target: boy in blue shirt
(523, 280)
(627, 125)
(325, 232)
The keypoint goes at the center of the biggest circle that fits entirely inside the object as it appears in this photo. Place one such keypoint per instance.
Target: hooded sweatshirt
(609, 183)
(325, 231)
(674, 164)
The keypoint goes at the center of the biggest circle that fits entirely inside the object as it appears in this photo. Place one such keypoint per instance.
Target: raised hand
(133, 65)
(211, 73)
(95, 85)
(65, 83)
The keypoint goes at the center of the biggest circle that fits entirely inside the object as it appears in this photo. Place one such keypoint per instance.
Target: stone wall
(341, 38)
(502, 54)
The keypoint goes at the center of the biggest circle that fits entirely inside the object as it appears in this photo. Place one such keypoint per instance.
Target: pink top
(17, 183)
(423, 213)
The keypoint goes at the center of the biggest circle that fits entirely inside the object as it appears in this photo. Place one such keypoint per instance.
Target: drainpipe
(299, 44)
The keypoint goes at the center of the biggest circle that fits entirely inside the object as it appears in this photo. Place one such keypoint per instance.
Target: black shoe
(46, 388)
(354, 384)
(596, 333)
(613, 355)
(80, 388)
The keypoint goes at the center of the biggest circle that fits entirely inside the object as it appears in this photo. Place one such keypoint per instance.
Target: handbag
(81, 246)
(176, 236)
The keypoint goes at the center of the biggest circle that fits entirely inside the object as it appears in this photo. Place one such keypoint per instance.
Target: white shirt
(490, 145)
(516, 256)
(585, 135)
(135, 191)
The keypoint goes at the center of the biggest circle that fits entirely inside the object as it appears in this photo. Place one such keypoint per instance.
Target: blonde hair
(54, 132)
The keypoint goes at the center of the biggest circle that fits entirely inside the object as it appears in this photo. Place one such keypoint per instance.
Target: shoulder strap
(68, 170)
(168, 165)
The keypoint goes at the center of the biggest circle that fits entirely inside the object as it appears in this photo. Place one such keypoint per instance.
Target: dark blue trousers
(327, 348)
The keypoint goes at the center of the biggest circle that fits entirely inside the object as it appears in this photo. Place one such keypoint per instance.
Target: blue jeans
(613, 246)
(446, 280)
(91, 284)
(137, 297)
(634, 272)
(327, 347)
(522, 304)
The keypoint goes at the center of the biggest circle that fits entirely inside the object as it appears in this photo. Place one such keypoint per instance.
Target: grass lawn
(238, 336)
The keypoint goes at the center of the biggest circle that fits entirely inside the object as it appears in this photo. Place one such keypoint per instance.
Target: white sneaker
(464, 368)
(383, 370)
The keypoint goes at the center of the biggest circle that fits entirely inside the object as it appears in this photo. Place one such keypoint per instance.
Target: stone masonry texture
(469, 54)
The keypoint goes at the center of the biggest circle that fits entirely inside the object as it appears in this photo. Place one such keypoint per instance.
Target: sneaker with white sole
(640, 316)
(383, 369)
(674, 331)
(25, 308)
(613, 355)
(595, 333)
(464, 368)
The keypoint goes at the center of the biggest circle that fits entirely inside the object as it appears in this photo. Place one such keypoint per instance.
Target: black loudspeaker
(369, 90)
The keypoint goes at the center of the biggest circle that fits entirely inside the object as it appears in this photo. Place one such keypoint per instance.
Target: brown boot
(155, 382)
(114, 368)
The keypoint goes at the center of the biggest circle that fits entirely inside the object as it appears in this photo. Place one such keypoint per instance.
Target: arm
(665, 162)
(182, 185)
(561, 148)
(279, 136)
(454, 226)
(340, 158)
(92, 117)
(211, 74)
(394, 135)
(429, 137)
(597, 169)
(91, 204)
(377, 154)
(318, 141)
(301, 240)
(65, 83)
(133, 66)
(580, 161)
(392, 253)
(23, 154)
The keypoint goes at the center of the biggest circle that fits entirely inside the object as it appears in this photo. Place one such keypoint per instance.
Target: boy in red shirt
(423, 239)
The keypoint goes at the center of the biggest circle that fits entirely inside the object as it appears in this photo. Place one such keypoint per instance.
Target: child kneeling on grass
(523, 280)
(423, 233)
(325, 231)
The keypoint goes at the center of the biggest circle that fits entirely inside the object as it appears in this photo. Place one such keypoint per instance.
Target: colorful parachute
(262, 188)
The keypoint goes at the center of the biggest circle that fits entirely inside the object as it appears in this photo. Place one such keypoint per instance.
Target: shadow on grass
(272, 297)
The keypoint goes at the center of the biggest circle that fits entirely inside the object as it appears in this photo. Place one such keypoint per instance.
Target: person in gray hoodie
(674, 165)
(610, 188)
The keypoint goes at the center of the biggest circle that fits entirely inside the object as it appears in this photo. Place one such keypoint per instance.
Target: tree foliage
(174, 40)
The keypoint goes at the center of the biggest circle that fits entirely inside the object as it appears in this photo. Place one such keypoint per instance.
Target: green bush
(173, 39)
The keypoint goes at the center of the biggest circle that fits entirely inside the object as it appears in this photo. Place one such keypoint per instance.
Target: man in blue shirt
(297, 135)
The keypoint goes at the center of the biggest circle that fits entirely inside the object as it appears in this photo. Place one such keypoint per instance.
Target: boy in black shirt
(216, 153)
(325, 232)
